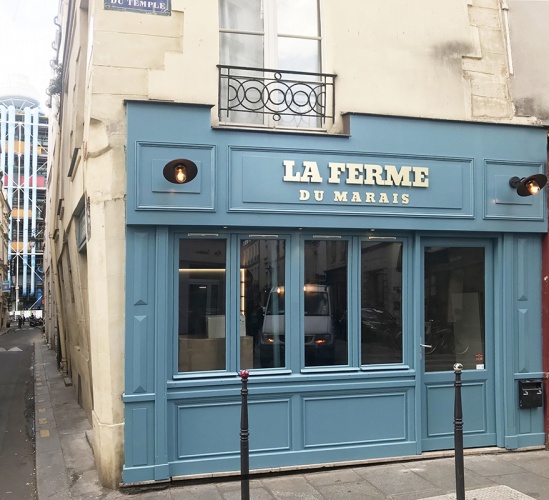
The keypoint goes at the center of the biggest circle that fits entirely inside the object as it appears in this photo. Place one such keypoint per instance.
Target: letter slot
(530, 393)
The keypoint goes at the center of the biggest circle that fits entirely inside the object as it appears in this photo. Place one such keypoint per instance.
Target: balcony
(270, 98)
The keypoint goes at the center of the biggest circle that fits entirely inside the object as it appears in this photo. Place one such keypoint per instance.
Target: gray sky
(26, 35)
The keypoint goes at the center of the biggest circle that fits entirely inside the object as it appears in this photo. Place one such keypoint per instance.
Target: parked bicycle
(441, 337)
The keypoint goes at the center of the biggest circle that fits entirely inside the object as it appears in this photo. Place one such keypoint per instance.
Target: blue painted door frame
(437, 387)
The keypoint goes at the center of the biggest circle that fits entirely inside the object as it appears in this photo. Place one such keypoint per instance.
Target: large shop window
(262, 303)
(243, 304)
(325, 302)
(454, 307)
(381, 302)
(202, 297)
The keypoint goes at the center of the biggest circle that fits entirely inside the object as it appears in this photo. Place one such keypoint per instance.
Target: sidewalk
(65, 467)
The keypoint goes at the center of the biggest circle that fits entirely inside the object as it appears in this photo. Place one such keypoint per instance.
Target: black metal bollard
(458, 435)
(244, 440)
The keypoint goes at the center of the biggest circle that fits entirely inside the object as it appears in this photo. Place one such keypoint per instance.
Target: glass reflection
(325, 302)
(262, 304)
(454, 308)
(381, 303)
(201, 325)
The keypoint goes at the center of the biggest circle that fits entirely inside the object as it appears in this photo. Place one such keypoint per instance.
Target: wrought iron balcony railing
(275, 98)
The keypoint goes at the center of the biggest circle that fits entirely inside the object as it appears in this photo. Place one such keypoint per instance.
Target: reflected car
(377, 325)
(318, 324)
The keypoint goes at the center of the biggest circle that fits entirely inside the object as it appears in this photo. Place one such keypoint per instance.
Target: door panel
(458, 328)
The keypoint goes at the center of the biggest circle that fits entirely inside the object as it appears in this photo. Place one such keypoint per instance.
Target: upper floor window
(270, 56)
(277, 34)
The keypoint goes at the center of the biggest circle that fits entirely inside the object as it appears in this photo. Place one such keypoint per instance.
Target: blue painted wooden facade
(181, 424)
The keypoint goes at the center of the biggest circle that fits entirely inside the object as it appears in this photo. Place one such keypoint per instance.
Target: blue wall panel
(474, 413)
(269, 428)
(523, 427)
(355, 419)
(139, 427)
(140, 312)
(242, 172)
(154, 192)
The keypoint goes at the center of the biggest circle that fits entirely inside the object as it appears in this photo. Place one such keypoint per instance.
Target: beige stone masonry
(491, 107)
(478, 65)
(488, 4)
(486, 85)
(485, 18)
(491, 41)
(488, 73)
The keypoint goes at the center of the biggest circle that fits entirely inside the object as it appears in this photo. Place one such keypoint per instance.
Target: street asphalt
(65, 465)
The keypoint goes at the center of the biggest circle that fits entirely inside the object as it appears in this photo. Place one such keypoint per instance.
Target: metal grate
(267, 97)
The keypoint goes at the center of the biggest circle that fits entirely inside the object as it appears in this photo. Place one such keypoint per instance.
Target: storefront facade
(347, 273)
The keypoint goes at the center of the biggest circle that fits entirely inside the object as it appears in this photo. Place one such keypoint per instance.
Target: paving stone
(351, 491)
(442, 474)
(527, 483)
(332, 477)
(195, 492)
(393, 479)
(487, 465)
(492, 493)
(291, 487)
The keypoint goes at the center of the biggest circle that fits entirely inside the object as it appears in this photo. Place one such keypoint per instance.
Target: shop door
(458, 328)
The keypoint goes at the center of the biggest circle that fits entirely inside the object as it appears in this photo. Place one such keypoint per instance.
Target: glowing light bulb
(180, 174)
(533, 187)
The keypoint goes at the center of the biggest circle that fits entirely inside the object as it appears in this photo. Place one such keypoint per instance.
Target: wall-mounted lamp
(527, 186)
(180, 171)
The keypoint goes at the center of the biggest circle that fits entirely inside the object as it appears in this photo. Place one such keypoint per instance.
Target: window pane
(325, 302)
(299, 55)
(201, 324)
(381, 303)
(243, 92)
(454, 308)
(262, 309)
(241, 50)
(298, 17)
(243, 15)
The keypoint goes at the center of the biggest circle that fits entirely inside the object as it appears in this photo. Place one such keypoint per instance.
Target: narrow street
(17, 464)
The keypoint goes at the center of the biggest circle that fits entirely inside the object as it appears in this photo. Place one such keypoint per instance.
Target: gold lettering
(373, 175)
(354, 173)
(340, 195)
(383, 198)
(310, 172)
(398, 177)
(335, 172)
(421, 177)
(289, 175)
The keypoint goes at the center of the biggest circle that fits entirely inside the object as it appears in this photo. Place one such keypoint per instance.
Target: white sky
(26, 35)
